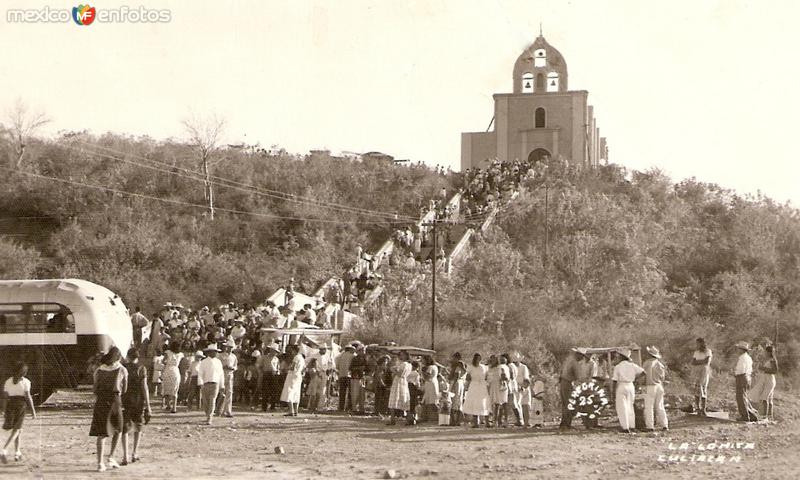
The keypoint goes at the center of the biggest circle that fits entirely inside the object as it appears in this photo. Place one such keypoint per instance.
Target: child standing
(457, 390)
(414, 380)
(18, 390)
(158, 368)
(525, 400)
(445, 402)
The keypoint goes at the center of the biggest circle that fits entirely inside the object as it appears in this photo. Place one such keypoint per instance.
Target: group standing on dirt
(754, 399)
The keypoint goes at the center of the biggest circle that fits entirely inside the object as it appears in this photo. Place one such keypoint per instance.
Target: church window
(539, 118)
(540, 82)
(527, 82)
(552, 82)
(540, 58)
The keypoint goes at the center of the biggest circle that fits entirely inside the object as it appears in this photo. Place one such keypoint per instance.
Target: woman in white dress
(293, 382)
(399, 395)
(476, 401)
(171, 377)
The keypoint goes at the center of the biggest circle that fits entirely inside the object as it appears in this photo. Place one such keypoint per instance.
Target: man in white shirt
(309, 315)
(239, 330)
(654, 372)
(743, 373)
(625, 373)
(138, 321)
(210, 376)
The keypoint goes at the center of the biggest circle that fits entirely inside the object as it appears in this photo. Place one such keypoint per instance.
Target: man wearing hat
(625, 373)
(229, 365)
(569, 374)
(210, 376)
(743, 373)
(654, 372)
(239, 330)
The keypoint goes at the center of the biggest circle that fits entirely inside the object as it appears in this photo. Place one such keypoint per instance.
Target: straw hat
(625, 352)
(199, 353)
(230, 343)
(743, 345)
(653, 351)
(212, 348)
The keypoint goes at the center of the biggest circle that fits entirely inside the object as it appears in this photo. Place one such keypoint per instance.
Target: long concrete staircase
(456, 249)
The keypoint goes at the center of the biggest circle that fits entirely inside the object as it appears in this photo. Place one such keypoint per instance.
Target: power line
(193, 205)
(225, 182)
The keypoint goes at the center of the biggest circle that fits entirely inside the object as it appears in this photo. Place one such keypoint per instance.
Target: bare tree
(205, 135)
(22, 124)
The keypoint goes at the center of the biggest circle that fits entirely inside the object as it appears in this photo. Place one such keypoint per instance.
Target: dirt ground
(177, 446)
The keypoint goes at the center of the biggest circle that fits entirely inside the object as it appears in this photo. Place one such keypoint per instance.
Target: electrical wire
(233, 184)
(193, 205)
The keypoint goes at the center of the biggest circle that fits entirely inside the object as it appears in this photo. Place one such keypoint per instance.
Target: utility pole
(433, 291)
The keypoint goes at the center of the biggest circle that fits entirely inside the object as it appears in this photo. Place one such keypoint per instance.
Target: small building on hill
(542, 117)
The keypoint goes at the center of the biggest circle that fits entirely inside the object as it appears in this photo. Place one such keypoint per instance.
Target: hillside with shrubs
(140, 235)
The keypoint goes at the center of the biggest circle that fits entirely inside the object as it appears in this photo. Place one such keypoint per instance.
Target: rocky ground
(337, 446)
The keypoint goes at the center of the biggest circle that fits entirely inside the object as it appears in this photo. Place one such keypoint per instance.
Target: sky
(695, 88)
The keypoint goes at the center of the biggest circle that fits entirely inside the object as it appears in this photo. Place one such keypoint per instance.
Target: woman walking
(294, 380)
(110, 382)
(399, 395)
(171, 376)
(476, 402)
(18, 390)
(135, 405)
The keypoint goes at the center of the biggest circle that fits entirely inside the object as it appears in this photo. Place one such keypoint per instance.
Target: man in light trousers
(229, 366)
(625, 373)
(210, 376)
(654, 372)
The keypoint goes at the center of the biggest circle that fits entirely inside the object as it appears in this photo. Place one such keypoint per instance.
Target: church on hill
(542, 117)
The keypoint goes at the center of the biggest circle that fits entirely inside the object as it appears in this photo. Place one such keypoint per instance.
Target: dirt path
(334, 446)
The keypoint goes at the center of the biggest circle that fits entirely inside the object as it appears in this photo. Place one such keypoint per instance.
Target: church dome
(540, 69)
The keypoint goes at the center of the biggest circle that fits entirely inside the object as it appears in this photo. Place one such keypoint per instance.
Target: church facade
(542, 117)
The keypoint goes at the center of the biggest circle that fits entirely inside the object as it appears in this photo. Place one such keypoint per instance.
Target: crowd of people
(483, 189)
(297, 375)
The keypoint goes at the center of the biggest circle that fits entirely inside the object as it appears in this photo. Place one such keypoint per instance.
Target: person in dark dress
(110, 383)
(135, 405)
(18, 390)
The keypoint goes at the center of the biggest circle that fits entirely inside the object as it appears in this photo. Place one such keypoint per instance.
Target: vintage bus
(58, 327)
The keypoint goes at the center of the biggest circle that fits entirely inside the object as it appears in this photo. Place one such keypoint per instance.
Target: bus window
(12, 319)
(36, 318)
(69, 324)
